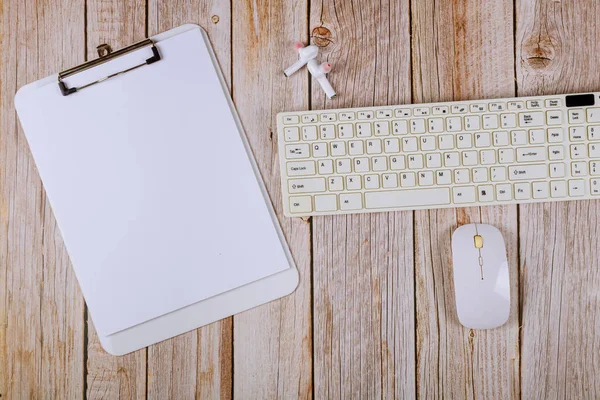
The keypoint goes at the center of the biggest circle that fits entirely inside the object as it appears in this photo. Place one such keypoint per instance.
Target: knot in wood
(215, 19)
(321, 36)
(539, 53)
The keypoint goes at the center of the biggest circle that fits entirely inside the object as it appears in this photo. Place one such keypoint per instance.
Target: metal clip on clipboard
(106, 54)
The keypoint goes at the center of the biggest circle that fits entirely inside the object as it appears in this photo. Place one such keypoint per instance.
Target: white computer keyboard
(455, 154)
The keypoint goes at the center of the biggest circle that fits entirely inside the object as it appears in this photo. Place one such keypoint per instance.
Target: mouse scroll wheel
(478, 241)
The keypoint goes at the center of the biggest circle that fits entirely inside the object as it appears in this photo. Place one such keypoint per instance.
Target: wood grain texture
(41, 331)
(462, 50)
(363, 264)
(273, 342)
(117, 23)
(560, 242)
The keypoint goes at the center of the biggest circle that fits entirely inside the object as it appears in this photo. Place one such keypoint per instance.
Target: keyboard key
(356, 148)
(338, 149)
(374, 146)
(291, 119)
(433, 160)
(400, 127)
(440, 110)
(327, 132)
(300, 168)
(462, 195)
(480, 175)
(578, 151)
(522, 191)
(497, 106)
(345, 131)
(328, 117)
(336, 183)
(504, 192)
(397, 163)
(595, 187)
(530, 154)
(555, 135)
(343, 166)
(554, 117)
(409, 144)
(350, 201)
(578, 168)
(417, 126)
(594, 132)
(365, 115)
(527, 172)
(306, 185)
(296, 151)
(325, 167)
(291, 134)
(558, 189)
(594, 168)
(451, 159)
(300, 204)
(500, 138)
(408, 198)
(576, 187)
(425, 178)
(537, 136)
(490, 121)
(402, 112)
(353, 182)
(472, 123)
(594, 150)
(477, 108)
(420, 111)
(415, 161)
(487, 157)
(427, 143)
(407, 179)
(577, 133)
(459, 109)
(389, 181)
(518, 138)
(443, 177)
(319, 149)
(498, 174)
(379, 163)
(363, 129)
(533, 104)
(540, 190)
(470, 158)
(485, 193)
(553, 103)
(384, 114)
(436, 125)
(506, 156)
(347, 116)
(462, 176)
(371, 181)
(382, 128)
(309, 118)
(530, 119)
(326, 202)
(464, 141)
(576, 116)
(556, 152)
(557, 170)
(391, 145)
(516, 105)
(445, 142)
(361, 164)
(482, 139)
(453, 124)
(508, 121)
(309, 133)
(593, 115)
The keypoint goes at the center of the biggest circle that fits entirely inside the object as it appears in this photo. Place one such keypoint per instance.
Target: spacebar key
(408, 198)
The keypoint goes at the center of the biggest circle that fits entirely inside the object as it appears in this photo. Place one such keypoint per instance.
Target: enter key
(531, 154)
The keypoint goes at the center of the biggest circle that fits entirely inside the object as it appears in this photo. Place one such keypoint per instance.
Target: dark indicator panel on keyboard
(580, 100)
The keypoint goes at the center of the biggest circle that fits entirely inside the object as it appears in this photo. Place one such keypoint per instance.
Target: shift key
(527, 172)
(307, 185)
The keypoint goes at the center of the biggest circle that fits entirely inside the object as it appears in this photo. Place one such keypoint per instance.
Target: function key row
(421, 111)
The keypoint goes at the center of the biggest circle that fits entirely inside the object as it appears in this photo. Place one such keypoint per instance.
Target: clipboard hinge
(106, 54)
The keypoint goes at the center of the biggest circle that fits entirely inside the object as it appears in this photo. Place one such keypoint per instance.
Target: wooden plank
(461, 50)
(118, 24)
(363, 264)
(559, 242)
(197, 363)
(273, 342)
(41, 331)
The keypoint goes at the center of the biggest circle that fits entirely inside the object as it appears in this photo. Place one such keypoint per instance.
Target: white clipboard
(155, 190)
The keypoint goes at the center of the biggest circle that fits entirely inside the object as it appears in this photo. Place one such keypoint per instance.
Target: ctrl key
(300, 205)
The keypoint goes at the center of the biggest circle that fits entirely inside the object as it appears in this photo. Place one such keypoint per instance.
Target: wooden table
(374, 314)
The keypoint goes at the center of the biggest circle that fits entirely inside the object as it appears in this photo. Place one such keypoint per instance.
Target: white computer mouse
(481, 278)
